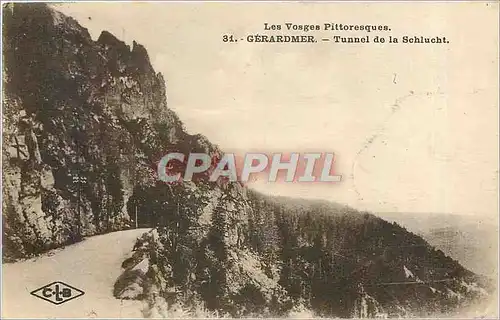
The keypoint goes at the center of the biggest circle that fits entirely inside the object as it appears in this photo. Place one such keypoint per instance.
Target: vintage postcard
(250, 159)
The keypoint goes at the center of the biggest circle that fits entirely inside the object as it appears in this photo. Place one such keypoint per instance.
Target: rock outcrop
(84, 124)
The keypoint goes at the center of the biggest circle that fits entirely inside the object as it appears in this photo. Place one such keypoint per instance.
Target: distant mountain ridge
(467, 238)
(85, 123)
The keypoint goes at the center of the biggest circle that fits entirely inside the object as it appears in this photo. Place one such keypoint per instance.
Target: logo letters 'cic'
(57, 292)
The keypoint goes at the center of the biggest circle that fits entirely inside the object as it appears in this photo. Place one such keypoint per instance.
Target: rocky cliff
(85, 123)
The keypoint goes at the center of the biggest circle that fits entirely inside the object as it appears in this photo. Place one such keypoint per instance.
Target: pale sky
(432, 110)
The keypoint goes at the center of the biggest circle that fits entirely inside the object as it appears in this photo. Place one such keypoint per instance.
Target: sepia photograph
(252, 159)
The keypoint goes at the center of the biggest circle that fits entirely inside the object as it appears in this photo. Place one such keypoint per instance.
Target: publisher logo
(57, 292)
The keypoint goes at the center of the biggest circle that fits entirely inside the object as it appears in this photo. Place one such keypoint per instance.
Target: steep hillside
(85, 123)
(241, 253)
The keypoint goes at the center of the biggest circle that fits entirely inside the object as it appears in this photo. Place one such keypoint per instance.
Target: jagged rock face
(84, 123)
